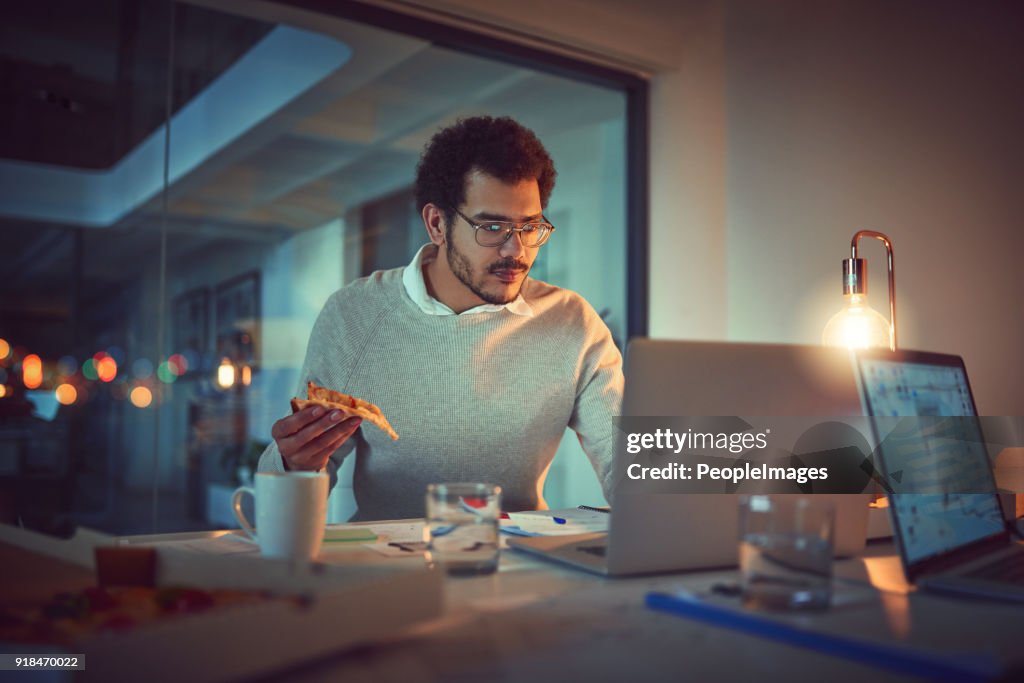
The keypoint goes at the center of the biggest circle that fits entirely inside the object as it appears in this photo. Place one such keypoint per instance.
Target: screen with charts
(932, 524)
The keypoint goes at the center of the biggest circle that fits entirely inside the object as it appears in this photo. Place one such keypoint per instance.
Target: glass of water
(786, 551)
(461, 529)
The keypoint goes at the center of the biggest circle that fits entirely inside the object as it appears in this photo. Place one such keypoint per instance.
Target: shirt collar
(416, 288)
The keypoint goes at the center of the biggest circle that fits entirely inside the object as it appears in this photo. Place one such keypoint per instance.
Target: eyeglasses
(496, 233)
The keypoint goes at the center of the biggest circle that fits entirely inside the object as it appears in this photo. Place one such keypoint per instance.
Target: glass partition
(185, 187)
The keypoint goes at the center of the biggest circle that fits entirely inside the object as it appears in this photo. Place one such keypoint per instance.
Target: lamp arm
(892, 273)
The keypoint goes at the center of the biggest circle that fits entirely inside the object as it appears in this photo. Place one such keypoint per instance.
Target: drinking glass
(461, 528)
(786, 551)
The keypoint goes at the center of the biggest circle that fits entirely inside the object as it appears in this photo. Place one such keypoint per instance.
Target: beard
(463, 270)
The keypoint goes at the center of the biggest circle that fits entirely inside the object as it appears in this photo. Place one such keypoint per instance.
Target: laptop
(652, 533)
(954, 542)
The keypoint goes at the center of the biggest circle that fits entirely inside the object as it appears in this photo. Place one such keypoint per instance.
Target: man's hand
(307, 438)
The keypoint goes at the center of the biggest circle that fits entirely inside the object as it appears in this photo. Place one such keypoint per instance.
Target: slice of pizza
(350, 406)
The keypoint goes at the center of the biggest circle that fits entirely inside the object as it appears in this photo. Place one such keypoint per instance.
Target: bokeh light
(165, 374)
(246, 375)
(142, 368)
(66, 394)
(225, 374)
(5, 349)
(32, 371)
(141, 397)
(89, 369)
(106, 368)
(178, 364)
(3, 390)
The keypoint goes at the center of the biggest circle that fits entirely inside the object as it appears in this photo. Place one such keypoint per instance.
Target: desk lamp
(857, 325)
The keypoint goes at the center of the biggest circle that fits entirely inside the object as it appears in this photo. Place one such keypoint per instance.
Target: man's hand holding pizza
(318, 426)
(308, 438)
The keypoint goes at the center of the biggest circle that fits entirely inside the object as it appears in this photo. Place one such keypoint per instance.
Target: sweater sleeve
(598, 398)
(326, 363)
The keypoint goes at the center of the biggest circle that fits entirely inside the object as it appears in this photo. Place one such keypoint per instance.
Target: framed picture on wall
(237, 316)
(190, 334)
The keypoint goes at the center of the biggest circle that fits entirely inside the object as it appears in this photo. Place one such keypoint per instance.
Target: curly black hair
(500, 147)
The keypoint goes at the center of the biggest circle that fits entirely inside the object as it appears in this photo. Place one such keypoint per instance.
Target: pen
(401, 546)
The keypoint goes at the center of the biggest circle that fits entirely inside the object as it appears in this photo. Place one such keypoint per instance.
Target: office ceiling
(85, 83)
(92, 84)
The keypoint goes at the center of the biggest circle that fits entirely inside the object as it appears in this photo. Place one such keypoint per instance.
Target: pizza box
(329, 608)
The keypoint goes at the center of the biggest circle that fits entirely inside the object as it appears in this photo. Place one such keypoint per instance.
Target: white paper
(225, 544)
(542, 523)
(396, 549)
(397, 532)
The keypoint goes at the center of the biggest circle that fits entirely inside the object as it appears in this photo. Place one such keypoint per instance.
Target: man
(478, 367)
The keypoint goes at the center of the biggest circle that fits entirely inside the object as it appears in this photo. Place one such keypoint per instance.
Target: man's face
(494, 274)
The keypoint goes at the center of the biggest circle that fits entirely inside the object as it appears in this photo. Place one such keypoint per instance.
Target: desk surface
(538, 621)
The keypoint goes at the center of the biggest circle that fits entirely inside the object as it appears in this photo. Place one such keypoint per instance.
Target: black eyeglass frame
(511, 227)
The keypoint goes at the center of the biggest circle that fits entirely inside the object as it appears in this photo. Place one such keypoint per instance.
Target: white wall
(687, 280)
(891, 116)
(641, 33)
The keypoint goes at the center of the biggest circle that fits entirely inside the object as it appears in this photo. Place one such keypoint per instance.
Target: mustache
(510, 264)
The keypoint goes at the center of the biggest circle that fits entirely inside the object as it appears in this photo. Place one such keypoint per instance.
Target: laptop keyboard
(1009, 569)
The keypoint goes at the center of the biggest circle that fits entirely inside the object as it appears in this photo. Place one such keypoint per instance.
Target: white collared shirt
(416, 288)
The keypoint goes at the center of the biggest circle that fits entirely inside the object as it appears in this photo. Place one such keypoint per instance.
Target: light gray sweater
(483, 397)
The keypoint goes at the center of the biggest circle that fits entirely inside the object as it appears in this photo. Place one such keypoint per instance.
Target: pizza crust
(350, 406)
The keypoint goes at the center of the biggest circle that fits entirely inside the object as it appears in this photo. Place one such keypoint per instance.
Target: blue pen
(558, 520)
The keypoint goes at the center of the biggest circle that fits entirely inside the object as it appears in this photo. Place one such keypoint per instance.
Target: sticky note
(350, 534)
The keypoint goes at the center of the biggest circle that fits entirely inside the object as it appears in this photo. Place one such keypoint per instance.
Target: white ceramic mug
(291, 513)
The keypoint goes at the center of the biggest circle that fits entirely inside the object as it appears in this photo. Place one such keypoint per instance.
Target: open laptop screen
(930, 525)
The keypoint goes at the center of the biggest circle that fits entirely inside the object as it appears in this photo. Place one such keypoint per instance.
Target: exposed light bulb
(857, 326)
